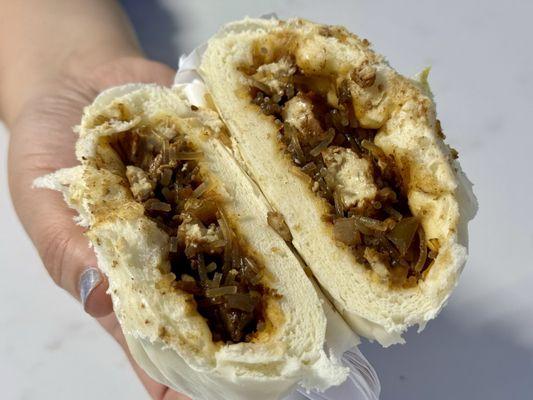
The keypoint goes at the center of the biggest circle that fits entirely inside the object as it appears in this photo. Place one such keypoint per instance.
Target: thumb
(131, 69)
(67, 256)
(61, 244)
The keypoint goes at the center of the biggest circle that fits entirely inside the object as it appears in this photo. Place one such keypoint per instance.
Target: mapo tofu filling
(208, 259)
(319, 130)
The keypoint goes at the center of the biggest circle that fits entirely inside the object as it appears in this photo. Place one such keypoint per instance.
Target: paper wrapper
(362, 382)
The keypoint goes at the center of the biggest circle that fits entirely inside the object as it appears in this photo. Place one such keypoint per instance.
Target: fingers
(156, 390)
(66, 254)
(131, 69)
(61, 244)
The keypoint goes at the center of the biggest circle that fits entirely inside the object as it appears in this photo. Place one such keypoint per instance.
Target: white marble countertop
(481, 347)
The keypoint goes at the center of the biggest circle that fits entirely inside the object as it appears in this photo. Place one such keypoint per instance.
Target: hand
(41, 142)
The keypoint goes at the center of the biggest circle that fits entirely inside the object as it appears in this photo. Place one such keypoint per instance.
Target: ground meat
(195, 237)
(354, 182)
(140, 183)
(275, 76)
(298, 112)
(364, 75)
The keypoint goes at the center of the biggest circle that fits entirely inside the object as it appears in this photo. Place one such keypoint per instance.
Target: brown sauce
(380, 229)
(207, 257)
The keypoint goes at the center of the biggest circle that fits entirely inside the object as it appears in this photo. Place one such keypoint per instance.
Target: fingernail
(89, 280)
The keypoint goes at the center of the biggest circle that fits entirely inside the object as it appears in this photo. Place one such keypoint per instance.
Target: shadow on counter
(447, 361)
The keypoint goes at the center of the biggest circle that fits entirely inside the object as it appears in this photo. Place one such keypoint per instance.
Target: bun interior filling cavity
(319, 130)
(209, 260)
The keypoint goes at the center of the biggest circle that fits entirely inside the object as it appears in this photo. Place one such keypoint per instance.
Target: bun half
(270, 79)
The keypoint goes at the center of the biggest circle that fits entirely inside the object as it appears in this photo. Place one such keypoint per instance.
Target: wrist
(80, 63)
(42, 41)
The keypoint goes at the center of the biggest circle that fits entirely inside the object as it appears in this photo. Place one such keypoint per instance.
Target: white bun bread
(404, 114)
(165, 333)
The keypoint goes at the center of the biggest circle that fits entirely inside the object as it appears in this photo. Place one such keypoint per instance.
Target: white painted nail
(89, 280)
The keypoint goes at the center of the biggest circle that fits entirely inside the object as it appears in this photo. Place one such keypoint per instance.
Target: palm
(43, 142)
